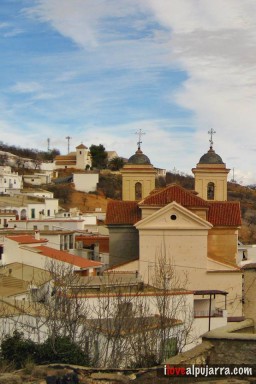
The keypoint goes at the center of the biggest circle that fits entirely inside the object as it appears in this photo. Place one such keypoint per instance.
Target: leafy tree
(116, 163)
(99, 156)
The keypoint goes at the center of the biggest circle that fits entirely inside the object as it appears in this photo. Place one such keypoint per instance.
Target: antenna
(233, 180)
(48, 144)
(68, 139)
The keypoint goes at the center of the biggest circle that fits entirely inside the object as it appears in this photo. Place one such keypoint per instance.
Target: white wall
(85, 182)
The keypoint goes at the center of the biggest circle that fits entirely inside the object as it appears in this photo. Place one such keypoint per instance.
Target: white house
(38, 178)
(34, 251)
(82, 223)
(41, 193)
(9, 180)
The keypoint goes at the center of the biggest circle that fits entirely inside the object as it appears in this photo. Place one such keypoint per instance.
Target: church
(196, 231)
(80, 159)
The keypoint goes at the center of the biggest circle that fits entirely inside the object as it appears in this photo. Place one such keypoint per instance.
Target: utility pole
(48, 144)
(68, 139)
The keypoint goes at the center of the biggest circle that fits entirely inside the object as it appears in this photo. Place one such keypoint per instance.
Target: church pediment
(173, 216)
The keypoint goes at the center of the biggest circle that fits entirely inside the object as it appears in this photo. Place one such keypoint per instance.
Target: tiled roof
(224, 213)
(65, 162)
(26, 239)
(174, 193)
(220, 213)
(122, 212)
(65, 157)
(67, 257)
(81, 146)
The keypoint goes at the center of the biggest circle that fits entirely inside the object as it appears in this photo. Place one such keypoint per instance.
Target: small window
(138, 191)
(173, 217)
(33, 213)
(48, 212)
(210, 191)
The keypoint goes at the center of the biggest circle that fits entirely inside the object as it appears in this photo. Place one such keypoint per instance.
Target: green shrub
(61, 349)
(24, 352)
(18, 350)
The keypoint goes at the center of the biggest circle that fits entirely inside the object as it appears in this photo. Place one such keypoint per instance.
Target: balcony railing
(214, 313)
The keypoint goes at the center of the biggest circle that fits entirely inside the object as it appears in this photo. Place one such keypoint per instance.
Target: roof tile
(67, 257)
(26, 239)
(224, 213)
(122, 212)
(174, 193)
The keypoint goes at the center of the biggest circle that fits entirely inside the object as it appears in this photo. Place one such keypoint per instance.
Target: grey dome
(139, 158)
(211, 158)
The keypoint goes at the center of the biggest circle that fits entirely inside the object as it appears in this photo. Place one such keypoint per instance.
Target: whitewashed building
(9, 180)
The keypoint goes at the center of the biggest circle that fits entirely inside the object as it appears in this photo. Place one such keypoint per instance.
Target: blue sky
(100, 70)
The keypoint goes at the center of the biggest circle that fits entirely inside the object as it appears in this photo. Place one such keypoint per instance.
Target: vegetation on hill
(30, 153)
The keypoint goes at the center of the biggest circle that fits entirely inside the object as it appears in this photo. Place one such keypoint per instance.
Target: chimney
(37, 235)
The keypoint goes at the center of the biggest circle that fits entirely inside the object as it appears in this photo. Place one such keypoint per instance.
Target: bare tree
(172, 305)
(119, 324)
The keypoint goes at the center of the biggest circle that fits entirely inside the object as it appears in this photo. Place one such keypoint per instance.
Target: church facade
(196, 232)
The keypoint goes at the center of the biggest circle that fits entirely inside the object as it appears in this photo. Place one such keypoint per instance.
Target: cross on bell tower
(140, 133)
(211, 133)
(211, 175)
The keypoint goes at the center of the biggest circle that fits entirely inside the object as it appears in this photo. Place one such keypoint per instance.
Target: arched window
(138, 191)
(210, 191)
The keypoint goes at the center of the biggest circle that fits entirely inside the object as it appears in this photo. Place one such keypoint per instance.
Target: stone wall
(197, 355)
(233, 344)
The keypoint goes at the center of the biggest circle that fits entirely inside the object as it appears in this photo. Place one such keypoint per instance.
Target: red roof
(174, 193)
(26, 239)
(81, 146)
(67, 257)
(220, 213)
(122, 212)
(224, 213)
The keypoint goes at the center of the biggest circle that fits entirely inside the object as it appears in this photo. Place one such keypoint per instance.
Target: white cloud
(214, 42)
(26, 87)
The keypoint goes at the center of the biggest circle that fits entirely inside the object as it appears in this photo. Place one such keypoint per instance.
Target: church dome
(211, 158)
(139, 158)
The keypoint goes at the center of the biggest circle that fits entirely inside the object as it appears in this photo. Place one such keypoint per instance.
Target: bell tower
(211, 175)
(138, 175)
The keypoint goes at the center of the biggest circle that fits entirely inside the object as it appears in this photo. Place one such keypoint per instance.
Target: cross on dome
(211, 133)
(140, 133)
